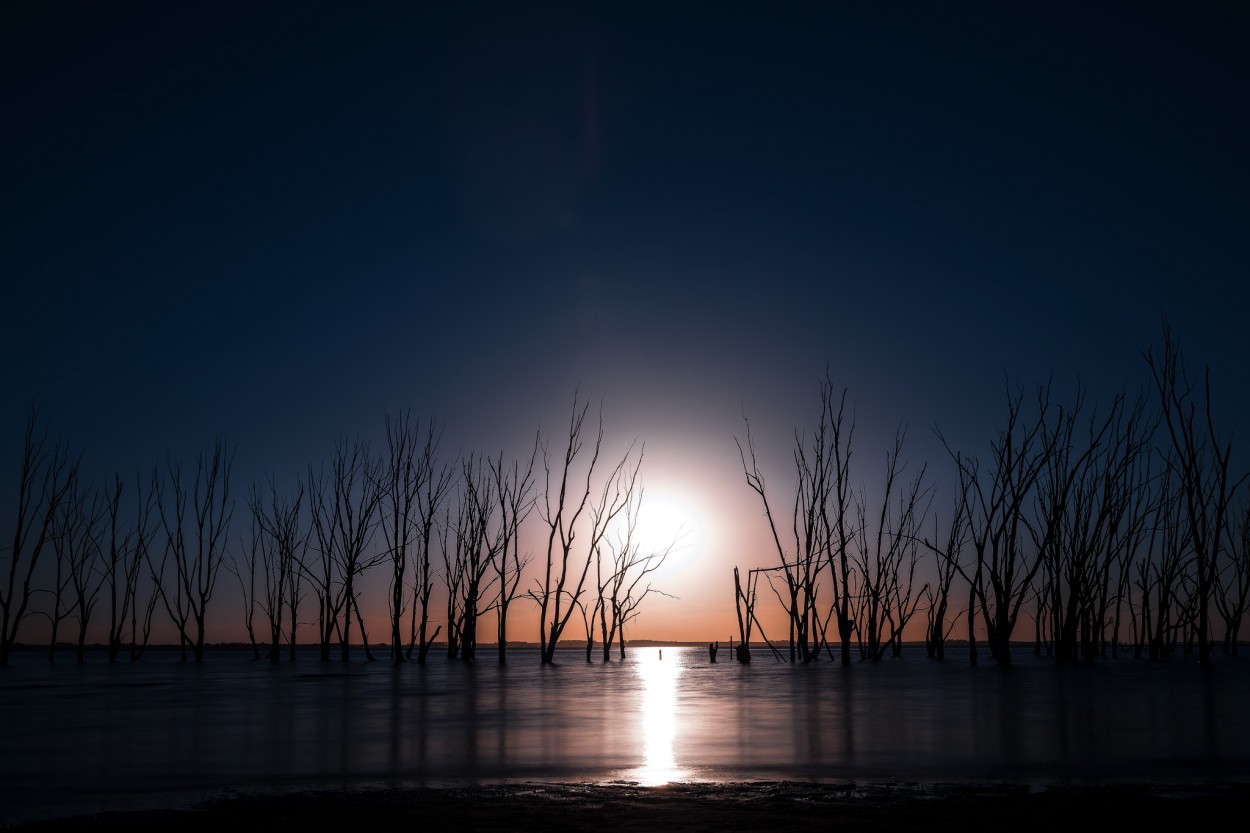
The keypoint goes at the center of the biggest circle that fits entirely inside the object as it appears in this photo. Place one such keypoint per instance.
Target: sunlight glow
(665, 520)
(659, 716)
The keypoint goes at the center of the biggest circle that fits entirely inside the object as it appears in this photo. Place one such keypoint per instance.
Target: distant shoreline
(953, 646)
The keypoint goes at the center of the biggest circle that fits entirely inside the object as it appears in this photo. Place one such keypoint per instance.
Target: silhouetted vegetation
(196, 521)
(47, 475)
(575, 508)
(1083, 527)
(1104, 525)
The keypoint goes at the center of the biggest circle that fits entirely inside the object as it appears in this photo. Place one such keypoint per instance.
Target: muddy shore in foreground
(690, 807)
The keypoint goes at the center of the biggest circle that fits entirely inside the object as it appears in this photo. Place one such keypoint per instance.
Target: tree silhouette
(468, 560)
(1233, 582)
(514, 490)
(196, 521)
(999, 497)
(46, 475)
(128, 552)
(576, 524)
(886, 556)
(344, 508)
(283, 542)
(1200, 457)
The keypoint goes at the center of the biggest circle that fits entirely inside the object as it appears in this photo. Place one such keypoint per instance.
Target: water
(91, 737)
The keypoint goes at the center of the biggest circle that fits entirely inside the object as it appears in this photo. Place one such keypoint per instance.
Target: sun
(668, 522)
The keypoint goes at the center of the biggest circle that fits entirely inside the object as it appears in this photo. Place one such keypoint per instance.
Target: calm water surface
(82, 738)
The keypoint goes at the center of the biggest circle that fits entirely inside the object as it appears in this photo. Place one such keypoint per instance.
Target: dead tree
(748, 621)
(428, 504)
(1233, 581)
(195, 540)
(836, 518)
(514, 491)
(141, 627)
(1200, 457)
(1162, 570)
(577, 516)
(128, 548)
(820, 529)
(937, 593)
(251, 554)
(625, 583)
(86, 569)
(283, 543)
(1082, 505)
(628, 606)
(46, 474)
(886, 556)
(453, 577)
(800, 557)
(344, 507)
(1131, 490)
(73, 545)
(744, 606)
(1001, 576)
(589, 608)
(404, 476)
(469, 562)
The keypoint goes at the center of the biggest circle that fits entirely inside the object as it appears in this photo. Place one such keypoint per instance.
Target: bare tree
(632, 566)
(148, 518)
(1132, 491)
(469, 562)
(344, 508)
(254, 551)
(1200, 457)
(744, 606)
(836, 517)
(886, 555)
(1161, 571)
(283, 541)
(572, 515)
(799, 562)
(622, 565)
(128, 548)
(1084, 497)
(1002, 574)
(85, 564)
(822, 533)
(429, 504)
(514, 491)
(1233, 582)
(195, 541)
(406, 474)
(748, 621)
(938, 592)
(45, 478)
(74, 542)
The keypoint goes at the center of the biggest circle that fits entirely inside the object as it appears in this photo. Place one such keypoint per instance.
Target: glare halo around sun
(666, 521)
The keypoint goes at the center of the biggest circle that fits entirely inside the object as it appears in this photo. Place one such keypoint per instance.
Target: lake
(84, 738)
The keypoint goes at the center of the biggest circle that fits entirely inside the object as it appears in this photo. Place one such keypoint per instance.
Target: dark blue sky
(279, 221)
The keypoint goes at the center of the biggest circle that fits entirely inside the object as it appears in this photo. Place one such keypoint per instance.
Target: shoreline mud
(622, 806)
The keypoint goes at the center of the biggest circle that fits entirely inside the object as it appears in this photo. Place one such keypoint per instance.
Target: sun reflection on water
(659, 717)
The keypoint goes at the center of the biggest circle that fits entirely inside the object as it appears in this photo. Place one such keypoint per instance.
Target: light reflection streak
(659, 718)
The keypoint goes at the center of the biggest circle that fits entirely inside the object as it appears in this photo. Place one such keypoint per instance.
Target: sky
(279, 223)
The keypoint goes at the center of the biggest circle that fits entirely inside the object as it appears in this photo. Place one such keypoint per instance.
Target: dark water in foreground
(85, 738)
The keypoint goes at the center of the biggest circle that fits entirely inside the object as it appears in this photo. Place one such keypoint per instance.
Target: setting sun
(669, 522)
